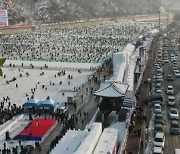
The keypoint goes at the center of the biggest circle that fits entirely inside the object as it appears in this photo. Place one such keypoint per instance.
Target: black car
(158, 128)
(158, 119)
(155, 97)
(170, 78)
(27, 149)
(174, 128)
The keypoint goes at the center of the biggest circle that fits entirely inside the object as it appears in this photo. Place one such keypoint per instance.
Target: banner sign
(19, 26)
(3, 18)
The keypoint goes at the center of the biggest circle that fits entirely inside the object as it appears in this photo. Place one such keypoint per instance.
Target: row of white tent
(47, 103)
(89, 141)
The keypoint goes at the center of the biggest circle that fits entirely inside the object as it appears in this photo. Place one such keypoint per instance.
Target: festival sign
(3, 18)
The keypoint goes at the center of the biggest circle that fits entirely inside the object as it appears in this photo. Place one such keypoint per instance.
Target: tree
(2, 61)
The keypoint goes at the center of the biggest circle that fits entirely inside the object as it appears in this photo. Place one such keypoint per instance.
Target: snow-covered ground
(26, 83)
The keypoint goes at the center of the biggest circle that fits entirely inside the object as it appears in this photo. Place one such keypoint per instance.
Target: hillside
(48, 11)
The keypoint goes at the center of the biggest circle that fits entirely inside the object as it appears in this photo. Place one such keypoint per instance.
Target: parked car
(176, 70)
(27, 149)
(174, 127)
(170, 90)
(171, 100)
(159, 140)
(158, 85)
(159, 80)
(177, 74)
(173, 113)
(158, 128)
(155, 97)
(166, 60)
(157, 108)
(175, 63)
(158, 119)
(176, 53)
(170, 78)
(158, 91)
(157, 150)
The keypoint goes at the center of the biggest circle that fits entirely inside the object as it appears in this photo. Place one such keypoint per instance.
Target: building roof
(108, 141)
(111, 89)
(70, 142)
(89, 143)
(123, 133)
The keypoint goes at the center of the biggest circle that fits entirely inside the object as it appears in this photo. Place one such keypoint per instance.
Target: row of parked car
(173, 114)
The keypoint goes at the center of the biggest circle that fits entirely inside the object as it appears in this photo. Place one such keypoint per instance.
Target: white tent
(48, 103)
(32, 102)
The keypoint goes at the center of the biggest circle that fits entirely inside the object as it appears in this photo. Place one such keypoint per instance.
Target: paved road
(172, 141)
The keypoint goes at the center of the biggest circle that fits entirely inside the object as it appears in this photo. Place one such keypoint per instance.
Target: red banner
(19, 26)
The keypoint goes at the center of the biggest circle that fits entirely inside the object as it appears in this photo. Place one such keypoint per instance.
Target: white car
(173, 113)
(156, 65)
(176, 70)
(159, 140)
(166, 60)
(157, 108)
(176, 53)
(158, 69)
(158, 91)
(177, 74)
(170, 90)
(159, 76)
(157, 150)
(172, 56)
(171, 100)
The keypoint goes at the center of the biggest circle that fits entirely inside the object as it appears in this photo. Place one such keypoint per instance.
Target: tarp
(37, 130)
(48, 103)
(32, 102)
(111, 89)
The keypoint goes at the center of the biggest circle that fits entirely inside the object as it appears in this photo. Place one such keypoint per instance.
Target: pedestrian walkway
(134, 141)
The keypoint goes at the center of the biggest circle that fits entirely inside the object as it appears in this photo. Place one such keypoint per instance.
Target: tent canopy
(32, 102)
(111, 89)
(48, 103)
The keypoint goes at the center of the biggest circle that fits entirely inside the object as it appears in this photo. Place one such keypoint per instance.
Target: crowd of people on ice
(80, 44)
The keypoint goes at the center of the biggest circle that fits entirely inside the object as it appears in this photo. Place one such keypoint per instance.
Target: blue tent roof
(48, 103)
(32, 102)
